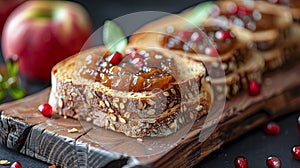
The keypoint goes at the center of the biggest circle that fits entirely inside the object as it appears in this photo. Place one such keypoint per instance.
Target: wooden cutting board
(24, 129)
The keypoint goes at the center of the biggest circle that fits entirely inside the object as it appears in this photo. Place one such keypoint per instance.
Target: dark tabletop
(256, 146)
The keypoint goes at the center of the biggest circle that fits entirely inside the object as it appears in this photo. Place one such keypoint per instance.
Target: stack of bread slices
(242, 54)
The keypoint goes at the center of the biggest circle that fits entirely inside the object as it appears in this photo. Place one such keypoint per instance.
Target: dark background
(256, 146)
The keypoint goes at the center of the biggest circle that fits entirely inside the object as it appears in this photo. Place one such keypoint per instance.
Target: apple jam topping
(193, 40)
(135, 71)
(242, 16)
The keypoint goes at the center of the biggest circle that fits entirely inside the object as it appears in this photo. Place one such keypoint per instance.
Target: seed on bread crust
(173, 91)
(184, 108)
(171, 104)
(190, 95)
(88, 119)
(113, 117)
(166, 94)
(60, 103)
(235, 89)
(73, 94)
(192, 116)
(152, 121)
(140, 105)
(116, 105)
(224, 66)
(101, 103)
(122, 120)
(151, 112)
(106, 123)
(122, 106)
(112, 127)
(151, 102)
(172, 125)
(116, 100)
(86, 105)
(199, 107)
(180, 120)
(107, 103)
(127, 115)
(90, 95)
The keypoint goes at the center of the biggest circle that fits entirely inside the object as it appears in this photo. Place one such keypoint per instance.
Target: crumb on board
(73, 130)
(4, 162)
(139, 139)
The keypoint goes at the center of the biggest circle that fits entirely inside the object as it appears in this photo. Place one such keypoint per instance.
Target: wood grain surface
(24, 129)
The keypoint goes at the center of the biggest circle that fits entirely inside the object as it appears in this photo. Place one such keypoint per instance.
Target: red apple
(6, 7)
(42, 33)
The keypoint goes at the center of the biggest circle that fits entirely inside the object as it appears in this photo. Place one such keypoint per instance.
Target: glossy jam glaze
(198, 40)
(137, 71)
(242, 16)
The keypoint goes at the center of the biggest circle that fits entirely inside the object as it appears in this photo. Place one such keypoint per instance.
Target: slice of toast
(122, 111)
(238, 81)
(273, 44)
(152, 34)
(242, 72)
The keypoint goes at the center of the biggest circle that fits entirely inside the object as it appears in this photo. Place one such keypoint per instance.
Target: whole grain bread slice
(236, 82)
(153, 33)
(278, 39)
(282, 19)
(77, 97)
(282, 37)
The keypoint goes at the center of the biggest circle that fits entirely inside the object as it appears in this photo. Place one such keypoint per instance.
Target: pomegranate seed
(45, 109)
(296, 152)
(223, 35)
(241, 10)
(272, 128)
(131, 52)
(16, 165)
(211, 51)
(185, 35)
(254, 88)
(115, 58)
(240, 162)
(273, 162)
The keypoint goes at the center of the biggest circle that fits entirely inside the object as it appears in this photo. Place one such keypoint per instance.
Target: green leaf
(200, 13)
(12, 66)
(113, 37)
(16, 92)
(2, 94)
(12, 81)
